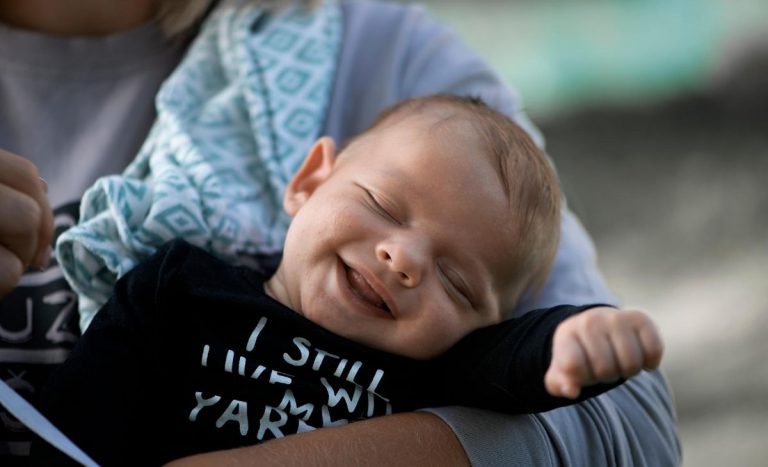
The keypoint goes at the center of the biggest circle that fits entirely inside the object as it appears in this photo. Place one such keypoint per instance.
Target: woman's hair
(177, 16)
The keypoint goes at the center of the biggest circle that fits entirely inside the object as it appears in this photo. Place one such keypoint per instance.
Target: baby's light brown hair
(527, 175)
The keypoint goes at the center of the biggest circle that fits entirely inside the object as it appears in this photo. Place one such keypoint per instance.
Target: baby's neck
(275, 289)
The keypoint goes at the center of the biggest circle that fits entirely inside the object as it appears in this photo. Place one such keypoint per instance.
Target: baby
(406, 252)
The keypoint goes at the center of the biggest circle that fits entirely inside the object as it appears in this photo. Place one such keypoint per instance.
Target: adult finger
(19, 224)
(45, 232)
(21, 176)
(11, 270)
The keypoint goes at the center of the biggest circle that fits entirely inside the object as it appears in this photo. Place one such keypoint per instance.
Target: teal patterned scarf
(234, 123)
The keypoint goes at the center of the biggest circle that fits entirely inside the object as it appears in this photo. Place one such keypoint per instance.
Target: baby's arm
(601, 345)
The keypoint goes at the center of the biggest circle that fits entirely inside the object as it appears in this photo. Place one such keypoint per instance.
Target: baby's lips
(363, 289)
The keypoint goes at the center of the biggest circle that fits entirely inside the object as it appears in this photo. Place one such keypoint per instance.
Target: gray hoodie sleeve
(391, 52)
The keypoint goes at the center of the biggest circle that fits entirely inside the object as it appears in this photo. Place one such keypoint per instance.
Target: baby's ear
(315, 169)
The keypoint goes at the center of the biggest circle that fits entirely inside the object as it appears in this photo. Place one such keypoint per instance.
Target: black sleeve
(502, 367)
(99, 397)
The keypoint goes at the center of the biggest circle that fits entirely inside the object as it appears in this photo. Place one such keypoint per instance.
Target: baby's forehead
(434, 120)
(442, 131)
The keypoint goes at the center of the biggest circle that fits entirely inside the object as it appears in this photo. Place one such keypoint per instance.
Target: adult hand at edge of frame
(26, 220)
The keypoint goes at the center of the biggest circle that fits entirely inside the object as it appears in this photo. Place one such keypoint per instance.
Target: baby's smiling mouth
(363, 290)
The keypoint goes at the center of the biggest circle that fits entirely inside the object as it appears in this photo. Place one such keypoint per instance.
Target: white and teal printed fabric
(234, 122)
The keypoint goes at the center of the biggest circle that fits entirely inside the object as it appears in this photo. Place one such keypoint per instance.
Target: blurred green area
(562, 55)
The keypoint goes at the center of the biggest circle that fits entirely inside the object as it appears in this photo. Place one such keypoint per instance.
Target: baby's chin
(384, 338)
(416, 351)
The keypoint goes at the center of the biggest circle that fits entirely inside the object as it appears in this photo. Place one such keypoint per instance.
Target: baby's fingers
(568, 368)
(651, 343)
(602, 361)
(628, 350)
(636, 343)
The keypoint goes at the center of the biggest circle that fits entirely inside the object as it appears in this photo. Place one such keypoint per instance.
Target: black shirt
(190, 355)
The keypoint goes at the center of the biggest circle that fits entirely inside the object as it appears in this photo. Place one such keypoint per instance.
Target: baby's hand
(601, 345)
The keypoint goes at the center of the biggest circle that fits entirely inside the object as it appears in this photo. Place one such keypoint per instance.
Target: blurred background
(656, 114)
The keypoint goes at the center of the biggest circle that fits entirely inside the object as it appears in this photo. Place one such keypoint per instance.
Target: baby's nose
(403, 259)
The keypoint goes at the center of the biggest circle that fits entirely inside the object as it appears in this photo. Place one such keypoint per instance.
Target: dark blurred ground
(675, 195)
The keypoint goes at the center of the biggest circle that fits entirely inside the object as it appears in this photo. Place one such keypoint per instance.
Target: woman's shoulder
(386, 18)
(390, 51)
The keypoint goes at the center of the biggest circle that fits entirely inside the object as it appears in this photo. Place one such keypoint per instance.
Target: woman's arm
(416, 438)
(632, 425)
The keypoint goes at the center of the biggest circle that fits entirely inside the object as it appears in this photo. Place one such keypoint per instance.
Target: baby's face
(399, 244)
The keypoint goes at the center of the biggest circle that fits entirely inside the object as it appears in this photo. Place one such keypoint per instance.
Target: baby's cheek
(343, 218)
(444, 329)
(350, 221)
